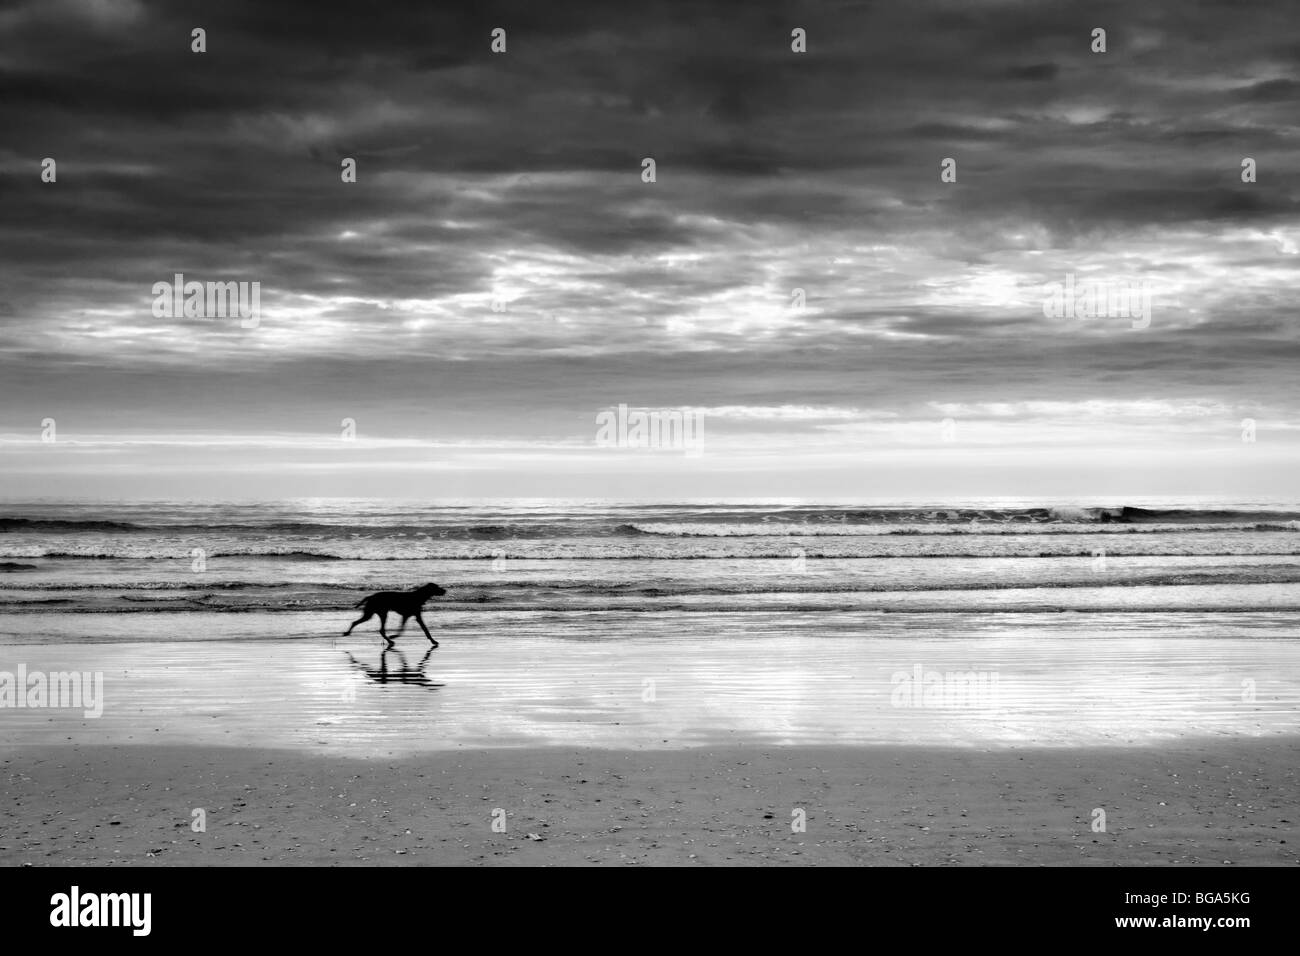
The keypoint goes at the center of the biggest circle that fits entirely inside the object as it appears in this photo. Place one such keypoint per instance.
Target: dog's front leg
(420, 620)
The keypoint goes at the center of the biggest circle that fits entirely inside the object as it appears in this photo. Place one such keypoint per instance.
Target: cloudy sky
(500, 273)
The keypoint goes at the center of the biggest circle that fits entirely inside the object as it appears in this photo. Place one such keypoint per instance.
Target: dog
(408, 604)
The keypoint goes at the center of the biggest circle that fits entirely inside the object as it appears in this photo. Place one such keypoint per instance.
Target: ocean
(305, 562)
(658, 625)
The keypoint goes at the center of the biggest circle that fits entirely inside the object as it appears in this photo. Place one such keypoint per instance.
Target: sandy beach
(1210, 804)
(635, 690)
(313, 752)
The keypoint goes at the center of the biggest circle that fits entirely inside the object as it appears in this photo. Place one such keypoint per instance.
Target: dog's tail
(361, 602)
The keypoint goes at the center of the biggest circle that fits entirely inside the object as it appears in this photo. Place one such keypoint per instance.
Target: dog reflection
(403, 673)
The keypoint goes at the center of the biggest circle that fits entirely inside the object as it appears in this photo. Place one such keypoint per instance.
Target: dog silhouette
(406, 604)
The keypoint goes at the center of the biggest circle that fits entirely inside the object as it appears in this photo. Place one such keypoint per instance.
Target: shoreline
(1207, 802)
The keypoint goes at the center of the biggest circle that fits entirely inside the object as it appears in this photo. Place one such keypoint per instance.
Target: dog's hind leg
(420, 620)
(361, 620)
(383, 623)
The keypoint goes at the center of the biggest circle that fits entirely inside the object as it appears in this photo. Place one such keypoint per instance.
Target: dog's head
(431, 590)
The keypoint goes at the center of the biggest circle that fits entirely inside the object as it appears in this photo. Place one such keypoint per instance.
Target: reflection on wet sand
(404, 673)
(1014, 687)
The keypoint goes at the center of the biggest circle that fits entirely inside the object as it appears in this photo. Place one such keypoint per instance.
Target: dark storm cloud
(516, 178)
(1034, 71)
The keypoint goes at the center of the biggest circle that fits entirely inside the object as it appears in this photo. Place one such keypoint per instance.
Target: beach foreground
(1205, 803)
(658, 684)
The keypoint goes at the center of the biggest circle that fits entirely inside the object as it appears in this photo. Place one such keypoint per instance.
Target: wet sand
(1210, 803)
(667, 689)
